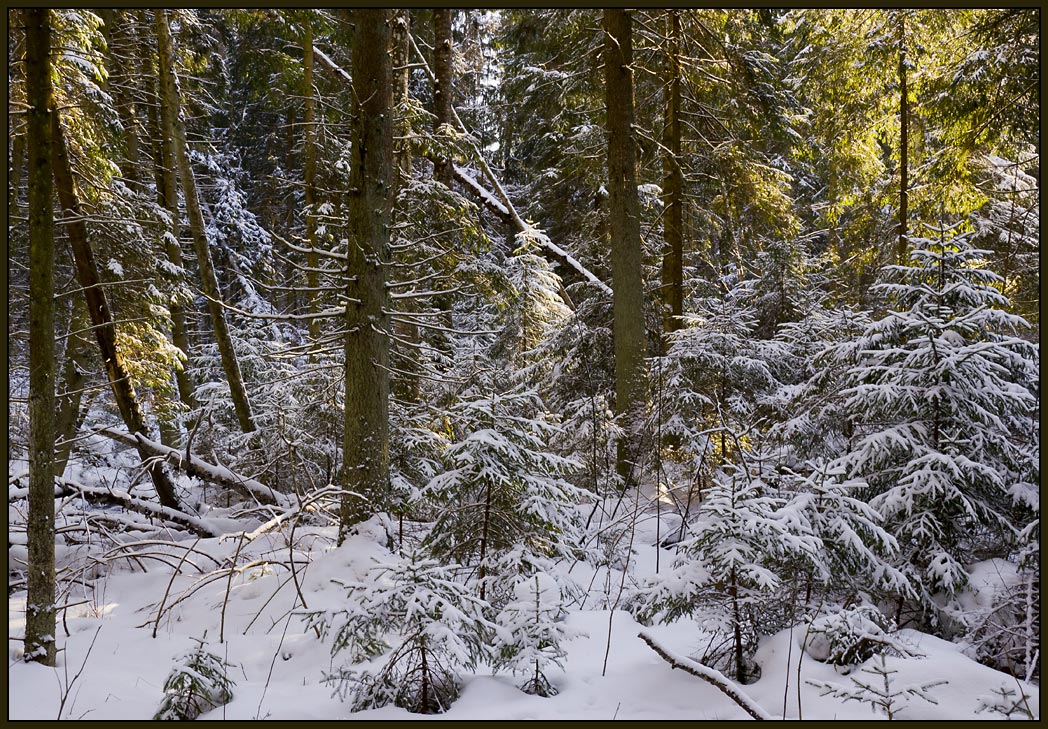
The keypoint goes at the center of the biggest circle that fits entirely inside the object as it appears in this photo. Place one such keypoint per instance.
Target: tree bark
(673, 186)
(98, 309)
(443, 88)
(904, 144)
(169, 94)
(40, 527)
(161, 132)
(366, 435)
(69, 413)
(407, 384)
(312, 261)
(627, 285)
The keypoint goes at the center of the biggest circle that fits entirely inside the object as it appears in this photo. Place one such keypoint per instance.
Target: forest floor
(111, 667)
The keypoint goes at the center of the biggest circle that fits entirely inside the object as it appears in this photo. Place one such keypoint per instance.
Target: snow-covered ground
(110, 666)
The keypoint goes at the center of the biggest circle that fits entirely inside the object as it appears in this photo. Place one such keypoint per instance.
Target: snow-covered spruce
(199, 682)
(731, 569)
(505, 508)
(530, 630)
(435, 627)
(943, 411)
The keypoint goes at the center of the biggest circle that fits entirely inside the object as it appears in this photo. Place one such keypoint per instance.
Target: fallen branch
(201, 469)
(132, 503)
(713, 677)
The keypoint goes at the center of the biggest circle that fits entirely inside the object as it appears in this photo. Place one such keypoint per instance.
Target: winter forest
(523, 363)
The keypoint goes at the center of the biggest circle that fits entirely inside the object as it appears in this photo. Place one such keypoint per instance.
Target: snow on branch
(711, 676)
(201, 469)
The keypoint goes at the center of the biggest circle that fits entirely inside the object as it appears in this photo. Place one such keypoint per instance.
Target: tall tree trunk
(627, 285)
(673, 186)
(365, 444)
(407, 384)
(70, 416)
(40, 600)
(169, 95)
(443, 89)
(160, 118)
(904, 143)
(312, 260)
(98, 310)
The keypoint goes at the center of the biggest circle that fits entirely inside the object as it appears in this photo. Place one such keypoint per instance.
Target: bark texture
(40, 600)
(673, 184)
(69, 413)
(162, 130)
(366, 435)
(312, 261)
(443, 87)
(169, 95)
(904, 144)
(624, 224)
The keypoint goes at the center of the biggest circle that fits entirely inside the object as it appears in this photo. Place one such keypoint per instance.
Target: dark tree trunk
(70, 414)
(673, 186)
(443, 90)
(366, 435)
(904, 144)
(169, 95)
(312, 260)
(626, 261)
(40, 600)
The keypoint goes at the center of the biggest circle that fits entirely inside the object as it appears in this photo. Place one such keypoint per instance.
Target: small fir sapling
(1006, 701)
(880, 691)
(198, 682)
(434, 626)
(731, 569)
(505, 506)
(530, 632)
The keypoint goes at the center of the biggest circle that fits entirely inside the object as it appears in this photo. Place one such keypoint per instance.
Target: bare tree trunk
(40, 526)
(161, 131)
(69, 414)
(673, 186)
(98, 310)
(365, 444)
(443, 89)
(626, 261)
(407, 383)
(169, 95)
(312, 261)
(904, 144)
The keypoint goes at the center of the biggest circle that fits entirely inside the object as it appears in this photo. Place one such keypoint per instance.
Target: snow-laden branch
(201, 469)
(711, 676)
(141, 506)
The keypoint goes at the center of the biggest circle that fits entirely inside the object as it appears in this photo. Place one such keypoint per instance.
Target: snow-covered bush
(433, 624)
(505, 507)
(198, 682)
(850, 636)
(731, 570)
(944, 406)
(530, 631)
